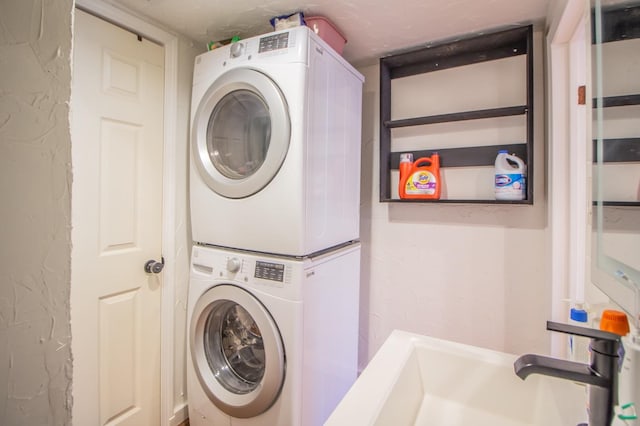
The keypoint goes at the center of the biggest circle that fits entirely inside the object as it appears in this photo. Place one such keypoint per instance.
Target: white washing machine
(275, 145)
(272, 340)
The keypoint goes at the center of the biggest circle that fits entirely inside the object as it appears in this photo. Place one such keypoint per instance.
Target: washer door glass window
(237, 351)
(234, 348)
(240, 134)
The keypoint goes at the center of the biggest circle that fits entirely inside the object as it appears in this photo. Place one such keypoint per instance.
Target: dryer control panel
(274, 42)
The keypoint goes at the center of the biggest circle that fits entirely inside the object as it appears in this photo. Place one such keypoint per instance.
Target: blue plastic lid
(579, 315)
(503, 151)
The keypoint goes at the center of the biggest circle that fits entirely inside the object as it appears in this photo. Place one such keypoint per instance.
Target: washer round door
(237, 351)
(241, 132)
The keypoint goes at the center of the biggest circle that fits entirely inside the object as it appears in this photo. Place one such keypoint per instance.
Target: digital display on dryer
(274, 42)
(269, 271)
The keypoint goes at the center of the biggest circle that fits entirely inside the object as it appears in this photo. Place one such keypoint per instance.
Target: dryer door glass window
(234, 348)
(238, 134)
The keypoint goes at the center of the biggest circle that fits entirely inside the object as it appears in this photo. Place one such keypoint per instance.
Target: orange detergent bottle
(419, 179)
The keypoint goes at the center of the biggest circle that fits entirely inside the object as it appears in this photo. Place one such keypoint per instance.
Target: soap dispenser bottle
(578, 346)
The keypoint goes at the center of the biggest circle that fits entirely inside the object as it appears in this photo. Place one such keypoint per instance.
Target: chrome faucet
(601, 374)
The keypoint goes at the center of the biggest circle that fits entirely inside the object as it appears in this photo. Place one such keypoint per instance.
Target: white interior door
(117, 131)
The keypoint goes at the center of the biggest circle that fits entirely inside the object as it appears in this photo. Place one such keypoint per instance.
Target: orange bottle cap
(614, 322)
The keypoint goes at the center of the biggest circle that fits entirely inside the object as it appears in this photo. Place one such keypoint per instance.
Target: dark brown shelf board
(619, 203)
(465, 201)
(468, 50)
(618, 101)
(464, 157)
(618, 23)
(622, 150)
(458, 116)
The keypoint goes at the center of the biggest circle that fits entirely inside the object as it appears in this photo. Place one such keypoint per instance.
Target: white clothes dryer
(275, 145)
(272, 340)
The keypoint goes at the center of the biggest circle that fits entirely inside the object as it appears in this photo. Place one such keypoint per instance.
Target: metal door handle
(153, 267)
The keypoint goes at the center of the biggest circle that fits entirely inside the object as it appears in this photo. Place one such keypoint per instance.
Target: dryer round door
(241, 131)
(237, 351)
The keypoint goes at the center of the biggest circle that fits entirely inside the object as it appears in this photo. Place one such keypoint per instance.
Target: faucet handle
(591, 333)
(601, 341)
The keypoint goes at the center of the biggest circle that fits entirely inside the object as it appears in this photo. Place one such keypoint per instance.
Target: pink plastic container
(327, 31)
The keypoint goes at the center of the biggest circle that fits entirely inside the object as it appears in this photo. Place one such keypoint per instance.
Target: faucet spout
(601, 375)
(561, 368)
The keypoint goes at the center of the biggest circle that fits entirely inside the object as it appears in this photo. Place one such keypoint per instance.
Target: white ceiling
(373, 28)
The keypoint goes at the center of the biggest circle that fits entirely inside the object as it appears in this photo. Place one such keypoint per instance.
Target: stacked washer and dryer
(275, 196)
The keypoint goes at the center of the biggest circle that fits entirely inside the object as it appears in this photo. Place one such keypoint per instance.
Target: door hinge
(582, 95)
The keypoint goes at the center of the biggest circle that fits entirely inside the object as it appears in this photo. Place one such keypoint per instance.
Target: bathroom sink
(419, 380)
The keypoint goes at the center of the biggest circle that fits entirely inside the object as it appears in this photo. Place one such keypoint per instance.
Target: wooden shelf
(458, 116)
(622, 150)
(437, 57)
(619, 150)
(448, 201)
(467, 50)
(463, 157)
(619, 203)
(618, 23)
(618, 101)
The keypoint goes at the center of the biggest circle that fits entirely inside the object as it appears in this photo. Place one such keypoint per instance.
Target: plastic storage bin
(327, 31)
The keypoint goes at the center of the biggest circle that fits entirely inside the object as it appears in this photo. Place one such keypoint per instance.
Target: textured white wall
(476, 274)
(35, 164)
(35, 159)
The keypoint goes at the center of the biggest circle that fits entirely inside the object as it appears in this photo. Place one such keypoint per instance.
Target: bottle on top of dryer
(510, 177)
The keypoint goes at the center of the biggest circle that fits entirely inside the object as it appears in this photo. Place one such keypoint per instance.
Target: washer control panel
(255, 271)
(252, 269)
(269, 271)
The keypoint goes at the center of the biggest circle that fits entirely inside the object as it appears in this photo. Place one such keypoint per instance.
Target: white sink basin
(419, 380)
